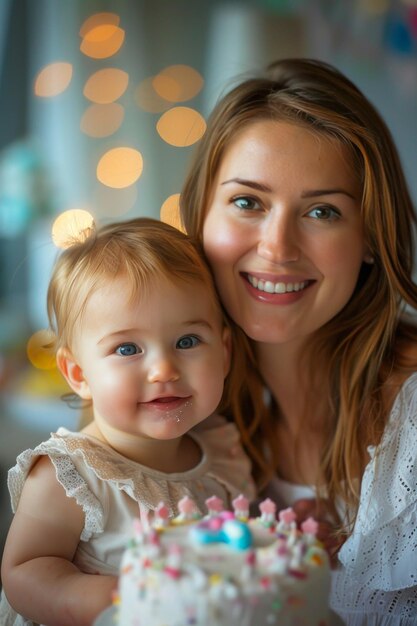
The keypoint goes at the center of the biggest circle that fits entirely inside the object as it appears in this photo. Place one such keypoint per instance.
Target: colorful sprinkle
(276, 604)
(215, 579)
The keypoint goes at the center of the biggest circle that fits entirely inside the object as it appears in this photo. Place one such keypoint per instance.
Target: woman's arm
(39, 579)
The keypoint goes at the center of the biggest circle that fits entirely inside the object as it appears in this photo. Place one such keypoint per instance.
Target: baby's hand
(327, 534)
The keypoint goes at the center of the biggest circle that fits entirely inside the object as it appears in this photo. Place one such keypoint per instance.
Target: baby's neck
(169, 456)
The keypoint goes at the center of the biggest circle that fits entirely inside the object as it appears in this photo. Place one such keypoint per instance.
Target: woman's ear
(72, 373)
(368, 257)
(227, 349)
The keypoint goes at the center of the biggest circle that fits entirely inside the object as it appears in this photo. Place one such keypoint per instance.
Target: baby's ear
(73, 373)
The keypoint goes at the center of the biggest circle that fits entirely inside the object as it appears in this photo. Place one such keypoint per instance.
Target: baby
(140, 335)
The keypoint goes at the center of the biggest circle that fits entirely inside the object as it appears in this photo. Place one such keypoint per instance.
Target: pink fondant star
(310, 526)
(268, 506)
(215, 504)
(186, 506)
(287, 516)
(240, 503)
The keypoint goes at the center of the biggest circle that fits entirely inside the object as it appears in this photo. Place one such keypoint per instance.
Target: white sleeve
(381, 553)
(68, 474)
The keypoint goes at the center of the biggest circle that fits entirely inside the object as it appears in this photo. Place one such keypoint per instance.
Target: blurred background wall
(102, 103)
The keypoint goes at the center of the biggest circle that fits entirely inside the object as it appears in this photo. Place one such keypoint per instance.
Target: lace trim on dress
(67, 475)
(145, 486)
(223, 462)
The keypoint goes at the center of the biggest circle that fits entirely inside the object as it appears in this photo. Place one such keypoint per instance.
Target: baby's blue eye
(246, 203)
(128, 349)
(187, 342)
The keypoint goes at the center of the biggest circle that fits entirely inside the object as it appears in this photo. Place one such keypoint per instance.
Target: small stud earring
(368, 258)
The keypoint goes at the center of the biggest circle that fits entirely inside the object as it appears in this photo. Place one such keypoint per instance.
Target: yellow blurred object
(48, 383)
(40, 350)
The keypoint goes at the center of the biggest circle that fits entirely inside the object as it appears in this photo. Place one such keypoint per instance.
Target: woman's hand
(320, 510)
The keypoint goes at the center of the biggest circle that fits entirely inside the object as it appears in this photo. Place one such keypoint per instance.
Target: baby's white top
(112, 489)
(376, 581)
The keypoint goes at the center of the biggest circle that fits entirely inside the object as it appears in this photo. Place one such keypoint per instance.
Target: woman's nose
(279, 241)
(162, 370)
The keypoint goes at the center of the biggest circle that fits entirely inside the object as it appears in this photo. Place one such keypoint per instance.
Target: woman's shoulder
(401, 398)
(401, 383)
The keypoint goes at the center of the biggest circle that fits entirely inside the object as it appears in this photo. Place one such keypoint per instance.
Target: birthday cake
(224, 569)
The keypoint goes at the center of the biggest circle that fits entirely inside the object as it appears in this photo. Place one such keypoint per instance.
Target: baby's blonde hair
(142, 249)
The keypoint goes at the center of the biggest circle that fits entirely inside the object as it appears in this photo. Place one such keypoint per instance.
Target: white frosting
(167, 579)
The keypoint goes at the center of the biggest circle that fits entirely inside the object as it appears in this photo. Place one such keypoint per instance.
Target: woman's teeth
(270, 287)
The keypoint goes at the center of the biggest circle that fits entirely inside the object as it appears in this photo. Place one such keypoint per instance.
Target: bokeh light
(106, 85)
(39, 350)
(53, 79)
(102, 120)
(110, 202)
(170, 212)
(72, 226)
(98, 19)
(102, 41)
(181, 126)
(147, 99)
(120, 167)
(178, 83)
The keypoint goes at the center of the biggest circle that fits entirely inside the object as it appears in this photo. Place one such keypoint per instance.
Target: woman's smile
(276, 291)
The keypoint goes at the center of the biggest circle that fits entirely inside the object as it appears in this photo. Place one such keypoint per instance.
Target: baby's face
(154, 365)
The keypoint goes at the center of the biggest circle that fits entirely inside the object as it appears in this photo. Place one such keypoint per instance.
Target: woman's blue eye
(324, 213)
(187, 342)
(246, 203)
(128, 349)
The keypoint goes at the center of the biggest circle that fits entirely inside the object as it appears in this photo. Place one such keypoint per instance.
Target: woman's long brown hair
(362, 345)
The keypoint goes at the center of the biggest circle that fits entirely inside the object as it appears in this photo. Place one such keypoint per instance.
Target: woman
(298, 196)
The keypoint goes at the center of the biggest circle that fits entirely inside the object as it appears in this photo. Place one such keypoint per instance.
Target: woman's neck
(170, 456)
(299, 427)
(281, 369)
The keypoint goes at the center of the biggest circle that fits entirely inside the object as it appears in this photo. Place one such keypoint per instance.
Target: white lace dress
(376, 581)
(112, 490)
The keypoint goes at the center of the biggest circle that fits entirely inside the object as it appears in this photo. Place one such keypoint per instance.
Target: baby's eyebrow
(197, 323)
(117, 333)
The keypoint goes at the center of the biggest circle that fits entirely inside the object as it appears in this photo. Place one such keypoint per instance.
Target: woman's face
(283, 231)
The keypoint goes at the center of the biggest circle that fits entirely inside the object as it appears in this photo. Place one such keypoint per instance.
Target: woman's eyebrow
(326, 192)
(247, 183)
(305, 194)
